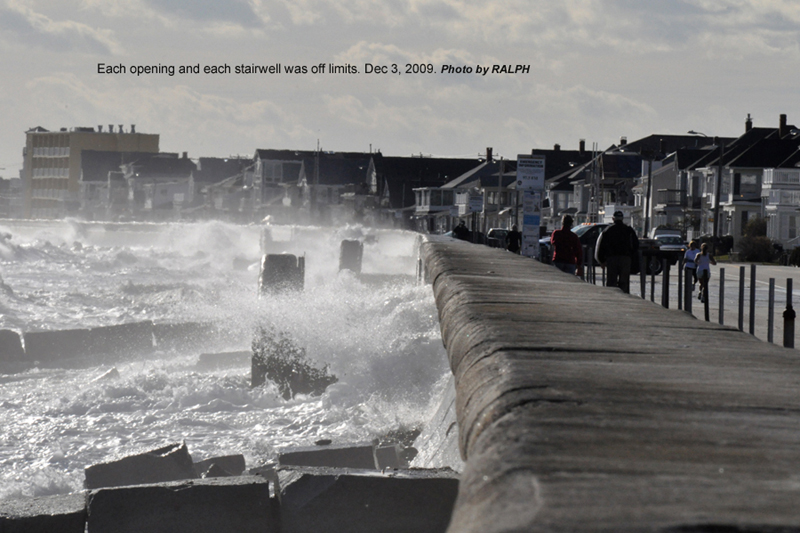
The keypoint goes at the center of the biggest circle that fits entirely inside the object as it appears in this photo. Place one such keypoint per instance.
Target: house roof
(161, 165)
(400, 175)
(95, 164)
(216, 169)
(767, 153)
(486, 174)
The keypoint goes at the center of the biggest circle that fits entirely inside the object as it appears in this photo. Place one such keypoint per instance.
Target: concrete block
(64, 513)
(241, 504)
(351, 254)
(55, 346)
(183, 337)
(388, 456)
(123, 340)
(281, 272)
(232, 464)
(10, 346)
(322, 499)
(169, 463)
(353, 455)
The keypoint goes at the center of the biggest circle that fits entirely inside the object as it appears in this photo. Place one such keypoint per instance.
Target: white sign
(476, 203)
(530, 173)
(531, 220)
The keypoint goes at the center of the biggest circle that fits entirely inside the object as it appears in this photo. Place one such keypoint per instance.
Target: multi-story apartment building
(51, 169)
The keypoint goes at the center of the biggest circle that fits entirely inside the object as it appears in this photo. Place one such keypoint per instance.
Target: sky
(599, 70)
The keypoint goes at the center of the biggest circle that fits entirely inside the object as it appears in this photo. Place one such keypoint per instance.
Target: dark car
(587, 233)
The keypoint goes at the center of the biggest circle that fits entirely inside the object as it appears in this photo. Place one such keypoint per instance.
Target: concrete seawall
(581, 408)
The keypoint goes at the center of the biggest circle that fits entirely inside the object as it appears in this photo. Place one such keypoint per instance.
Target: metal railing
(588, 269)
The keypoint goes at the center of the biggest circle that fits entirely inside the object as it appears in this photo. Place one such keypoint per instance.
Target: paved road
(730, 312)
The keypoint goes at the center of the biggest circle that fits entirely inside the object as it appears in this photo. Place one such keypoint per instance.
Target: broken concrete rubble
(169, 463)
(325, 499)
(64, 513)
(240, 503)
(361, 455)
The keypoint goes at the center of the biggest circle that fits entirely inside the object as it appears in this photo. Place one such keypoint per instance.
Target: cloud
(31, 28)
(182, 115)
(236, 11)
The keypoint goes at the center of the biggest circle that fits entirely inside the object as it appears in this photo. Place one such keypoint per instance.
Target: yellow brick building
(51, 169)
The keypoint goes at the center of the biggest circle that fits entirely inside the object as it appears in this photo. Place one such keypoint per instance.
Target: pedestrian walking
(703, 260)
(615, 248)
(567, 249)
(688, 261)
(461, 231)
(514, 240)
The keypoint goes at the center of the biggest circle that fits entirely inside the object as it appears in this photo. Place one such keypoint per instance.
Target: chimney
(99, 128)
(488, 155)
(623, 141)
(133, 128)
(120, 128)
(110, 128)
(582, 147)
(748, 123)
(556, 147)
(782, 130)
(185, 155)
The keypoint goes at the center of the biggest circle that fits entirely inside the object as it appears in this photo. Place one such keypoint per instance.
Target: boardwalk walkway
(584, 409)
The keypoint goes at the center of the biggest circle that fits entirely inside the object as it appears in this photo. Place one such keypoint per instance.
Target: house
(10, 197)
(95, 186)
(740, 169)
(400, 182)
(159, 185)
(309, 184)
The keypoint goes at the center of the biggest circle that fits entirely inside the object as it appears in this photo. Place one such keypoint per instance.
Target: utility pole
(717, 193)
(648, 154)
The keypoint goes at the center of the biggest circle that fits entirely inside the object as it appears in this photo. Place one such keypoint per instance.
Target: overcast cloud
(599, 69)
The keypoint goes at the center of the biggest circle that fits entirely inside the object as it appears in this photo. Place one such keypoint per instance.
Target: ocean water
(382, 341)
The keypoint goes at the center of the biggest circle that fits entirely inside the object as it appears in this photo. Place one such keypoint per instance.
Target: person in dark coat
(461, 231)
(614, 250)
(514, 240)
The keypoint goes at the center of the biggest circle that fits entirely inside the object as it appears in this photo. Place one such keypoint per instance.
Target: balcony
(670, 198)
(784, 197)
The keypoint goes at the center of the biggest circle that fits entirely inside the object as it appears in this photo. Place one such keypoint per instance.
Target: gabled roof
(95, 164)
(161, 165)
(768, 153)
(216, 169)
(335, 170)
(666, 143)
(485, 174)
(400, 175)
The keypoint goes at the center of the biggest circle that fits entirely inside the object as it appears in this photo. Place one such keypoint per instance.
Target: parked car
(496, 237)
(587, 233)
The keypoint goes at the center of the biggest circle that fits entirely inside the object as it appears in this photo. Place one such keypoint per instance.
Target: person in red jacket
(567, 249)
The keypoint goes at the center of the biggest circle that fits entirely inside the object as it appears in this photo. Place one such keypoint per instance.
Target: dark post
(665, 283)
(771, 311)
(680, 284)
(642, 273)
(752, 299)
(687, 289)
(706, 305)
(741, 298)
(721, 296)
(788, 318)
(652, 285)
